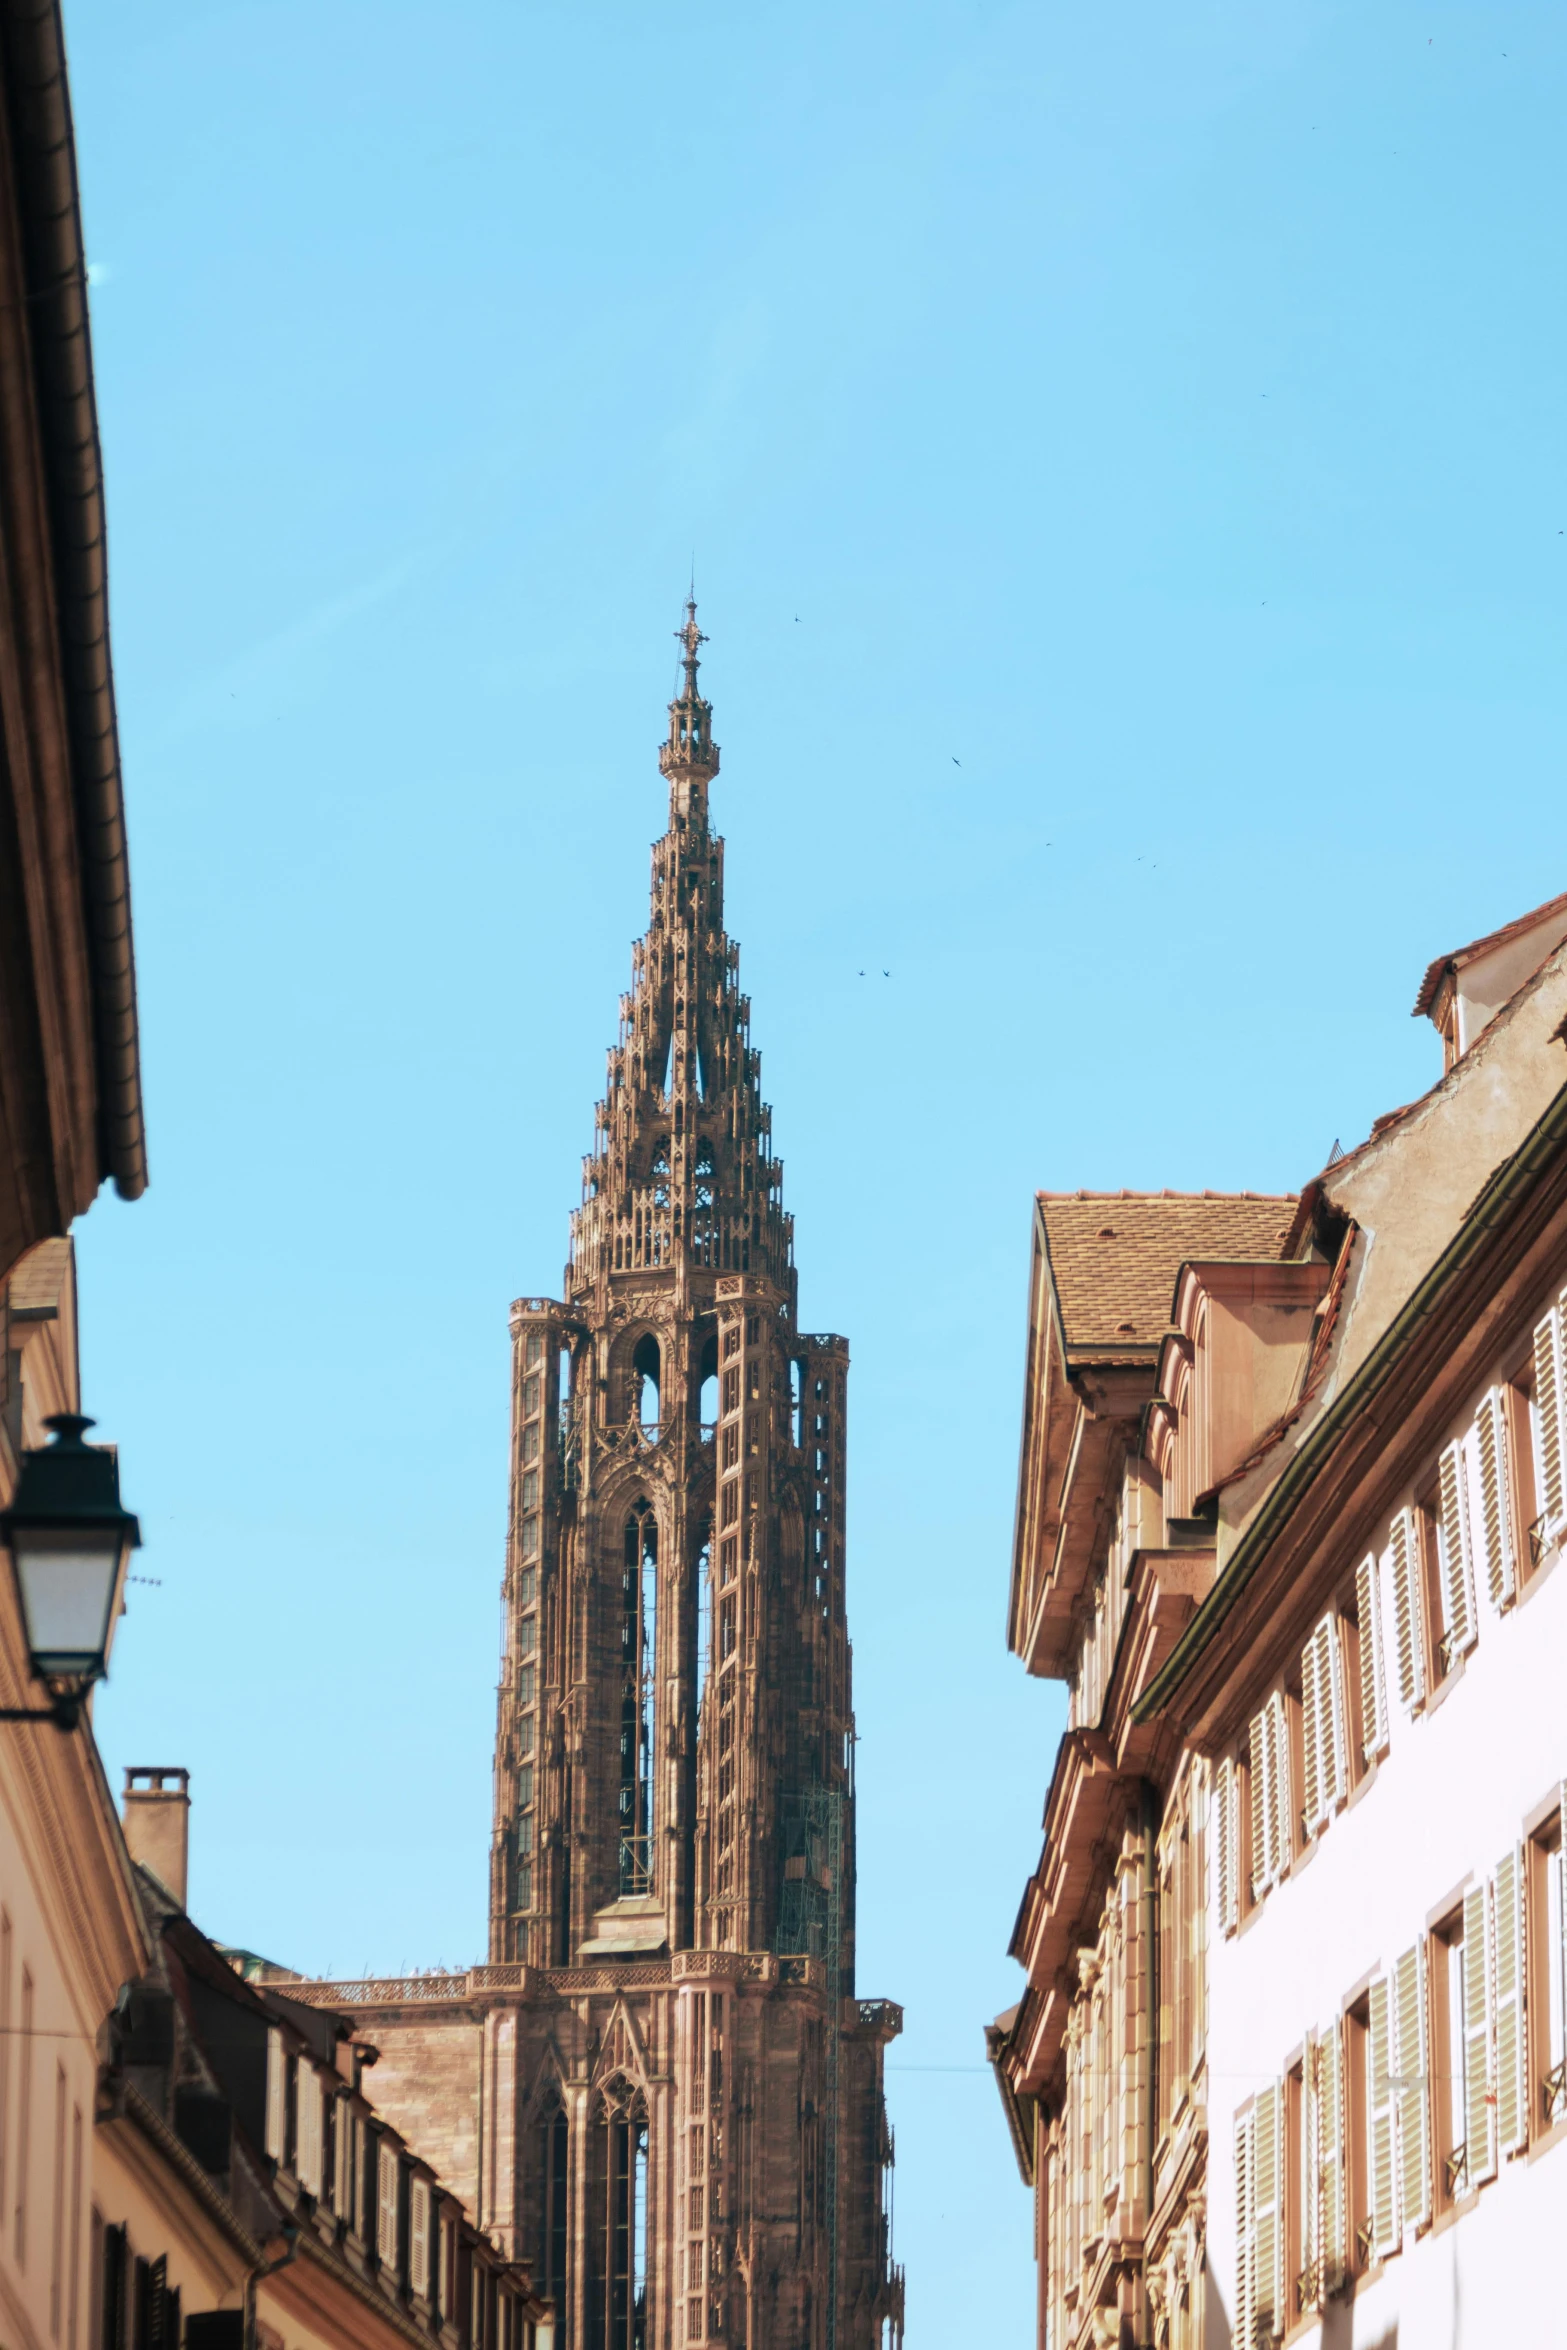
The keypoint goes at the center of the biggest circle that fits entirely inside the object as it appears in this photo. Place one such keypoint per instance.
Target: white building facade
(1291, 2062)
(1376, 1680)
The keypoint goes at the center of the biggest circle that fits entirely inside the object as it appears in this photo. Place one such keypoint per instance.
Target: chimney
(157, 1824)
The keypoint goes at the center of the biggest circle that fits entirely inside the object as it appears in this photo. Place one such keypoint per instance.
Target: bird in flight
(957, 762)
(886, 975)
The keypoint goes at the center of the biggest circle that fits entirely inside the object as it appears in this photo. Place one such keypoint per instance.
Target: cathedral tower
(698, 2090)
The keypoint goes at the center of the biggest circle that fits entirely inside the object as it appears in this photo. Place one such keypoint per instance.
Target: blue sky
(1122, 456)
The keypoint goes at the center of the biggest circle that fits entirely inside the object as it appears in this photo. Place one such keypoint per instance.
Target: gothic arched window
(645, 1382)
(553, 2145)
(618, 2217)
(638, 1717)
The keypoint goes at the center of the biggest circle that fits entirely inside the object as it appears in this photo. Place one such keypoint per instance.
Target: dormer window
(1462, 993)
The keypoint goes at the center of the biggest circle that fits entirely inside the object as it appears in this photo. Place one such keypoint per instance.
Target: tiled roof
(1480, 946)
(1114, 1255)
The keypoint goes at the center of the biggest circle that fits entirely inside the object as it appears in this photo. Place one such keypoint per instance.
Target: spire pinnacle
(690, 636)
(690, 755)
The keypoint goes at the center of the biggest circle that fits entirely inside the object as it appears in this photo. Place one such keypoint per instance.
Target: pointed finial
(690, 636)
(690, 751)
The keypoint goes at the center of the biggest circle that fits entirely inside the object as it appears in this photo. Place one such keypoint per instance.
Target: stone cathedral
(662, 2090)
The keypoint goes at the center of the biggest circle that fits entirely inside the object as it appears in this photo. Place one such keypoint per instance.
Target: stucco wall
(1447, 1801)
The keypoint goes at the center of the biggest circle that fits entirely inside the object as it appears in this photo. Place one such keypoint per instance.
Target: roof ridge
(1269, 1198)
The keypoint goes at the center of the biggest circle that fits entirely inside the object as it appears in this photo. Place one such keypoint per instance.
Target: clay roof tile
(1114, 1255)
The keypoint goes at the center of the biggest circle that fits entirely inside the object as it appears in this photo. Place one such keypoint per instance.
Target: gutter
(38, 102)
(1494, 1204)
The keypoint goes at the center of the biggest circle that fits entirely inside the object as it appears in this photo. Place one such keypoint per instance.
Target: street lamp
(70, 1543)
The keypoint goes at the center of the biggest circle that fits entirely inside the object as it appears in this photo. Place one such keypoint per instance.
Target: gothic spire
(682, 1174)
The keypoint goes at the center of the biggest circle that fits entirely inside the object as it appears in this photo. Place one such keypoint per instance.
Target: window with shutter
(1267, 2166)
(1550, 1403)
(1479, 2071)
(1458, 1607)
(1496, 1530)
(1512, 2055)
(1245, 2329)
(1330, 2134)
(1411, 2058)
(277, 2093)
(1408, 1615)
(1385, 2228)
(1373, 1682)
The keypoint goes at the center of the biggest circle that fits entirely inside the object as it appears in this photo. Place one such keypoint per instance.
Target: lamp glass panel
(68, 1580)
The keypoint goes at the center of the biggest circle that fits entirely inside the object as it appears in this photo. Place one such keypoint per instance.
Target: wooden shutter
(1329, 2119)
(1312, 1805)
(343, 2185)
(1331, 1757)
(1548, 1402)
(1281, 1790)
(1479, 2072)
(1245, 2329)
(1267, 2177)
(386, 2207)
(307, 2160)
(1408, 1615)
(1457, 1566)
(1512, 2053)
(1226, 1855)
(1373, 1680)
(1384, 2175)
(1496, 1518)
(419, 2238)
(277, 2093)
(1414, 2085)
(1260, 1807)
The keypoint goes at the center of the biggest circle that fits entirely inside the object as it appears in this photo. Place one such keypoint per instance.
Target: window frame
(1546, 2081)
(1359, 2242)
(1448, 2061)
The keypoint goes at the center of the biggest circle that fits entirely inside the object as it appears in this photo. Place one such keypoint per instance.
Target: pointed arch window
(619, 2219)
(645, 1382)
(703, 1576)
(704, 1186)
(707, 1388)
(638, 1722)
(553, 2142)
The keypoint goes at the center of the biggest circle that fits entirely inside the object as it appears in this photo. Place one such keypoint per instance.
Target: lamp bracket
(65, 1713)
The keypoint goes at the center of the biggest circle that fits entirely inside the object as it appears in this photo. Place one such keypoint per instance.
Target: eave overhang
(58, 351)
(1080, 1408)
